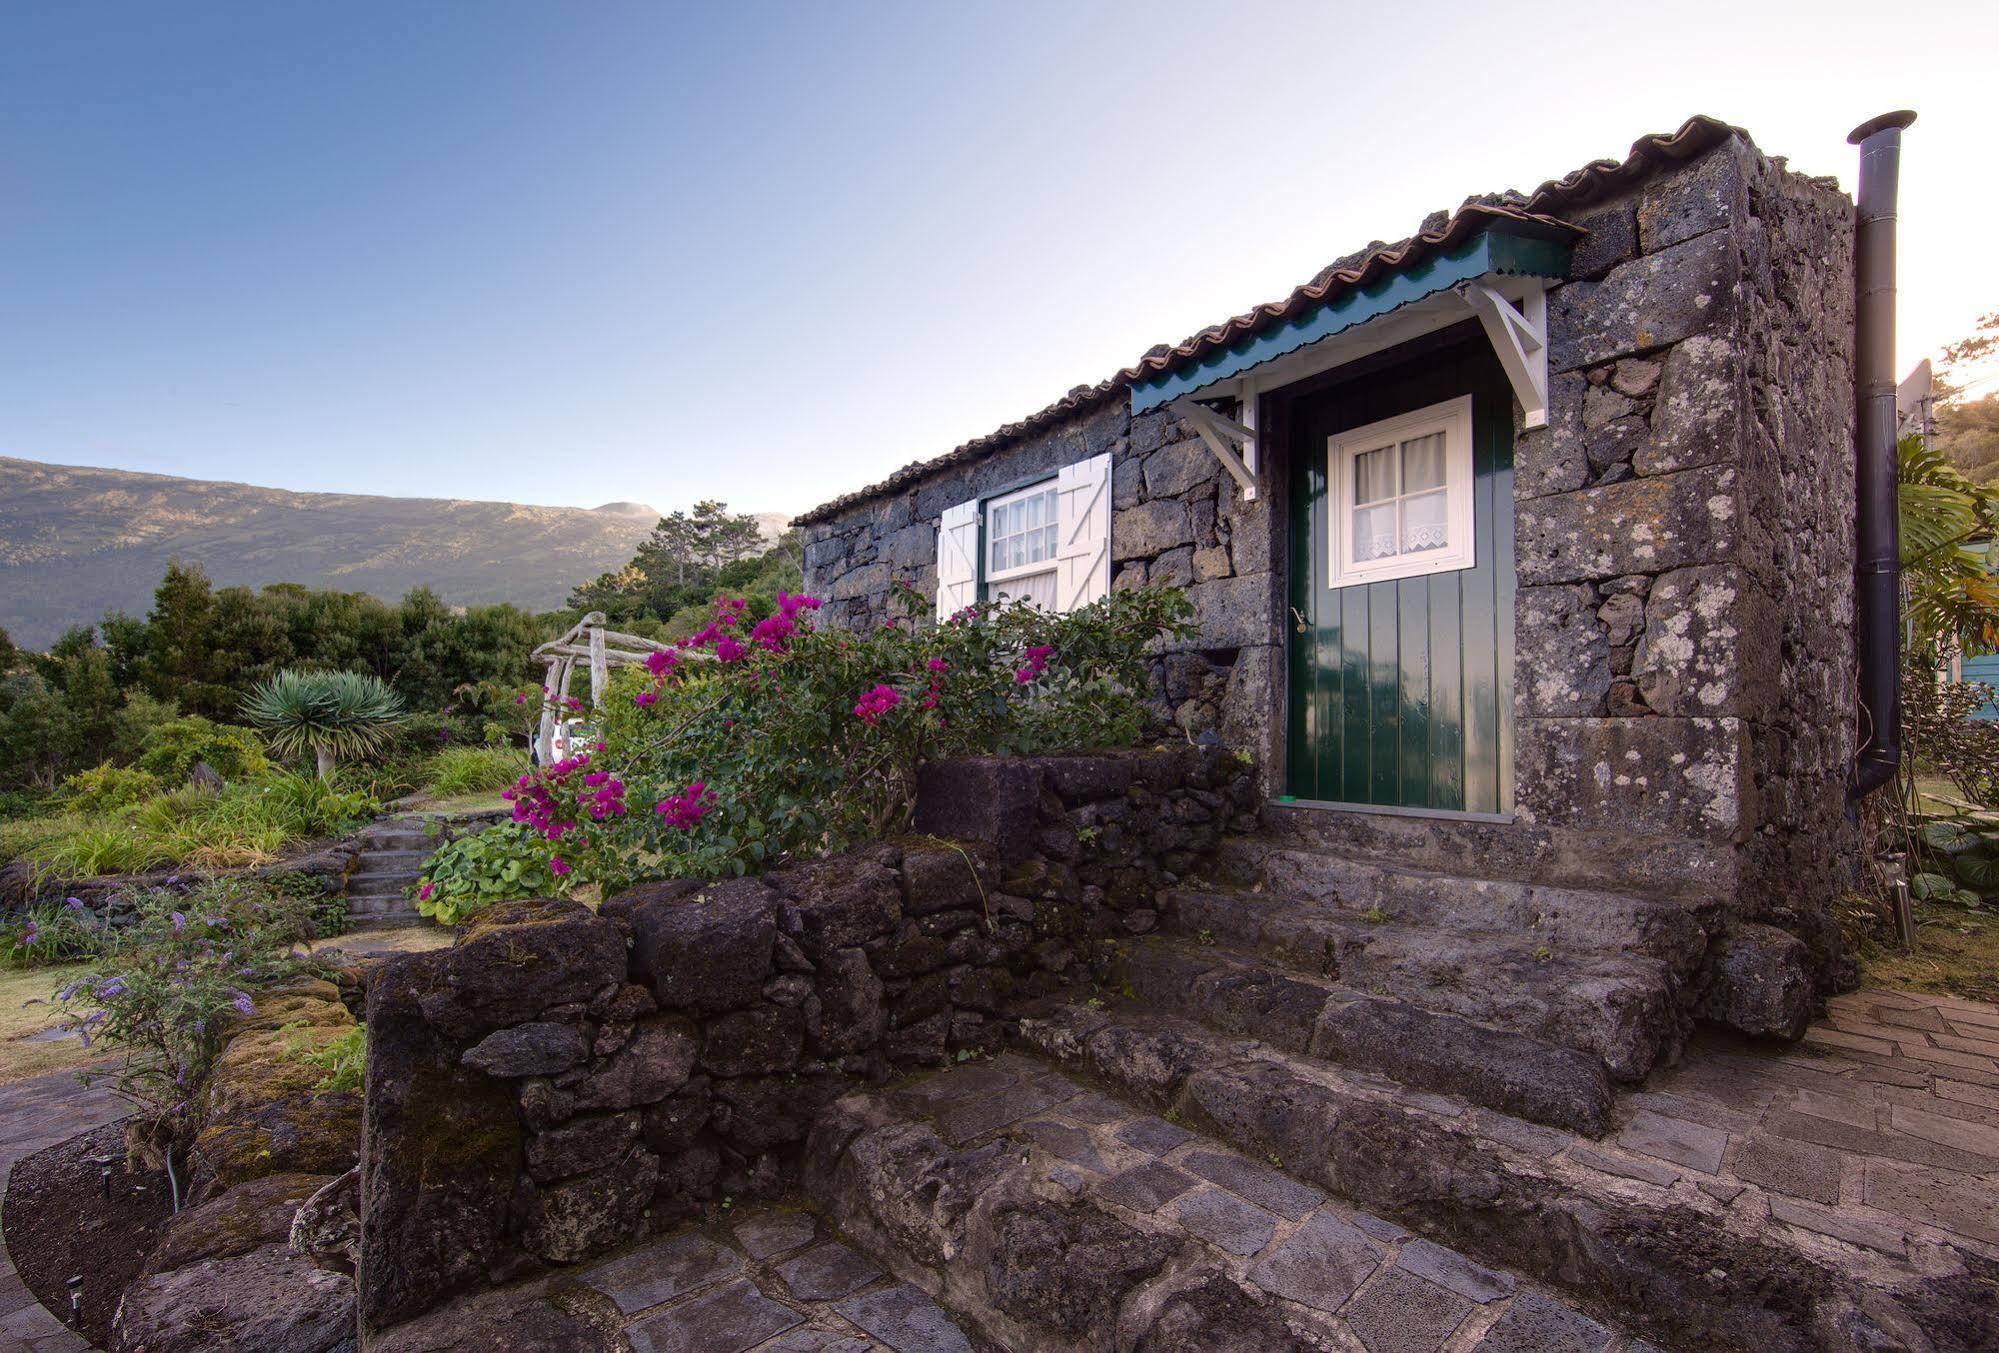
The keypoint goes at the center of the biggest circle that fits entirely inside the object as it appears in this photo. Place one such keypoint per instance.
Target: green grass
(247, 823)
(459, 771)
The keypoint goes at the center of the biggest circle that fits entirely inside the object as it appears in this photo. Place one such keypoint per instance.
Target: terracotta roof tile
(1542, 210)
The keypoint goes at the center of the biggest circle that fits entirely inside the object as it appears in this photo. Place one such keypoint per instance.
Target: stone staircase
(1526, 998)
(391, 859)
(1042, 1213)
(1344, 1098)
(392, 855)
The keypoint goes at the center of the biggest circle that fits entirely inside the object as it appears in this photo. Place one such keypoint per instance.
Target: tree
(330, 714)
(178, 635)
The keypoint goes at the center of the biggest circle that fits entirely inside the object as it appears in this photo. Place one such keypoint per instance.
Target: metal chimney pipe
(1877, 534)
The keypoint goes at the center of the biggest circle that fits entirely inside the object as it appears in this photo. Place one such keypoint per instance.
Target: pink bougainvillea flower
(728, 650)
(876, 703)
(938, 664)
(557, 865)
(424, 892)
(688, 807)
(771, 632)
(521, 699)
(644, 698)
(572, 702)
(661, 661)
(1037, 663)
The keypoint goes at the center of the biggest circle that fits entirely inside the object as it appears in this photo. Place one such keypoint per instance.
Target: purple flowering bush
(765, 739)
(165, 987)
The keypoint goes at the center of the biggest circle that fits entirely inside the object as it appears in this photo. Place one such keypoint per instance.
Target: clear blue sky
(579, 252)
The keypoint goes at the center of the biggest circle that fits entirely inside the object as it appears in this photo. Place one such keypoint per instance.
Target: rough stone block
(519, 959)
(1320, 1265)
(1759, 981)
(1708, 194)
(1553, 459)
(838, 903)
(649, 1068)
(759, 1041)
(1612, 239)
(1564, 651)
(1647, 303)
(1233, 612)
(1708, 644)
(1150, 528)
(1172, 470)
(581, 1145)
(1638, 526)
(706, 949)
(991, 800)
(1643, 775)
(538, 1049)
(1698, 416)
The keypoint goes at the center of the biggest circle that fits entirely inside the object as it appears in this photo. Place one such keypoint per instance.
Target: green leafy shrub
(788, 740)
(31, 838)
(499, 864)
(473, 770)
(106, 789)
(329, 715)
(1956, 864)
(165, 987)
(173, 749)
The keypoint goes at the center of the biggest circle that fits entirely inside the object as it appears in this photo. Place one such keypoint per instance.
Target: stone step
(1673, 931)
(1511, 1072)
(1623, 1008)
(377, 890)
(1617, 860)
(1046, 1215)
(1678, 1260)
(382, 861)
(384, 839)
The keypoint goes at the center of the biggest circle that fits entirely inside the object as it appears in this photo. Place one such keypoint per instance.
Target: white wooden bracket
(1520, 337)
(1218, 432)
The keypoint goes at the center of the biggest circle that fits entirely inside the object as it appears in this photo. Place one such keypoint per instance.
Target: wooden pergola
(586, 641)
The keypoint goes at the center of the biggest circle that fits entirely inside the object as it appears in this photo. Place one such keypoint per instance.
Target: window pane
(1423, 463)
(1374, 475)
(1373, 533)
(1425, 525)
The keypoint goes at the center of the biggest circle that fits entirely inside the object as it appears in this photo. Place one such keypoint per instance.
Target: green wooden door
(1401, 691)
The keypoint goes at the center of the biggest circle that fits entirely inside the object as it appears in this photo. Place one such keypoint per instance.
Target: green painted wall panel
(1401, 691)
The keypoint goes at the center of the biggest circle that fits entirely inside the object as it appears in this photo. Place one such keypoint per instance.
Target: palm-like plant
(330, 714)
(1953, 595)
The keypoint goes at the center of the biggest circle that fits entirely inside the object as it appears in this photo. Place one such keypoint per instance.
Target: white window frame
(1453, 418)
(1049, 487)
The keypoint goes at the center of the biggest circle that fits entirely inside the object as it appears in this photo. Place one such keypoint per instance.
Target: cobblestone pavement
(33, 1114)
(1880, 1129)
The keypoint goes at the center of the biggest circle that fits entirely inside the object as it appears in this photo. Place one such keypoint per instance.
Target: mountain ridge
(77, 541)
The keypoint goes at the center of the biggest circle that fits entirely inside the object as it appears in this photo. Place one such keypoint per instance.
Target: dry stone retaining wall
(560, 1080)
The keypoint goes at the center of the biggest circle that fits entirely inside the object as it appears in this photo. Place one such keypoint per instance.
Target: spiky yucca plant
(330, 714)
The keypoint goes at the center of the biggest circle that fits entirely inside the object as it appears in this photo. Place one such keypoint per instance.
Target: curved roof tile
(1541, 210)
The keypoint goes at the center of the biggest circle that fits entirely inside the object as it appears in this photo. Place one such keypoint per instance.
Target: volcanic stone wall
(1178, 520)
(1685, 528)
(561, 1080)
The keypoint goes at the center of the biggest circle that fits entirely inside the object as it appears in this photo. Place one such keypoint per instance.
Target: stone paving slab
(771, 1280)
(34, 1114)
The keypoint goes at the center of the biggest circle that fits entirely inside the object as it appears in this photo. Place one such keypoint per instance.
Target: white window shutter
(1083, 557)
(957, 559)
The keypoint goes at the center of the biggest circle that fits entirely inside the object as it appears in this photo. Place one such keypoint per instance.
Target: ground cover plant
(767, 738)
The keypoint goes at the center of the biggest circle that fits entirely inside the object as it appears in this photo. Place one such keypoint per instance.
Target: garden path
(36, 1113)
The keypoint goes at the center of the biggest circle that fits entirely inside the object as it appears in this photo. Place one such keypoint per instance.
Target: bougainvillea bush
(769, 738)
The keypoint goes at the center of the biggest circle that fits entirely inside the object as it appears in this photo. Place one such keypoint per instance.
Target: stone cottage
(1523, 549)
